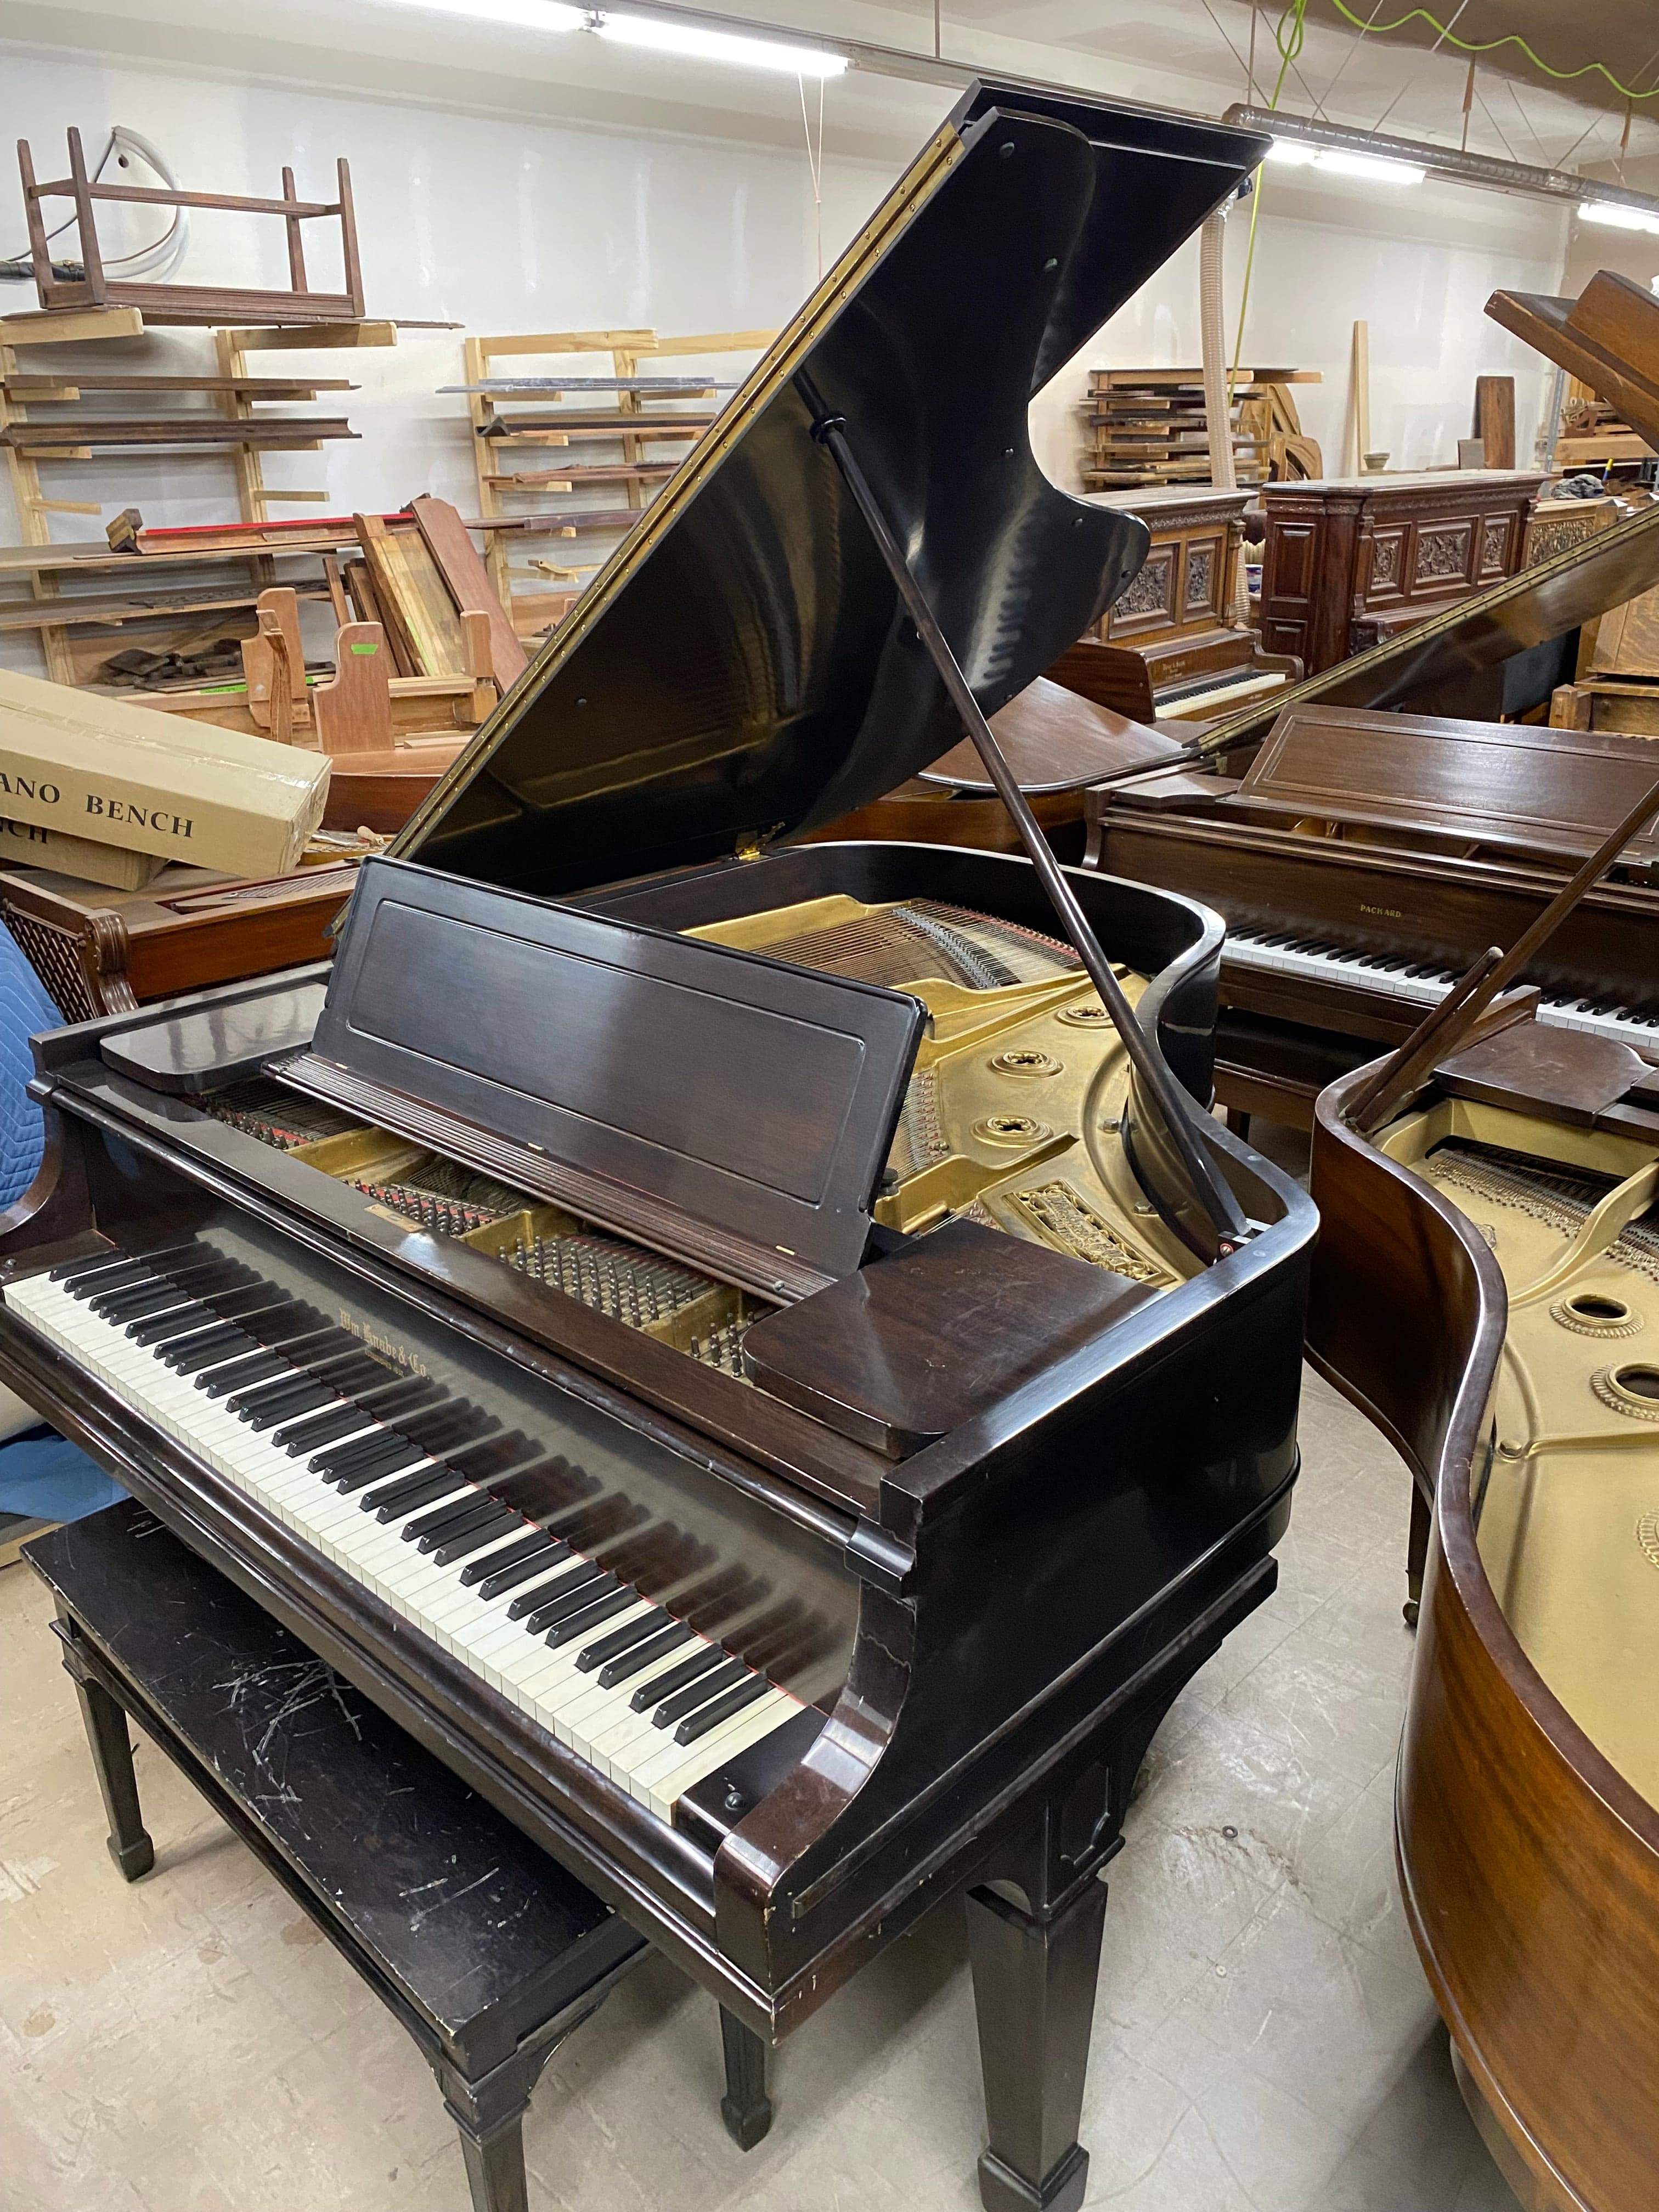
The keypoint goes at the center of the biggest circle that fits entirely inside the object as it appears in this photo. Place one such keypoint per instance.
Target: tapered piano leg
(745, 2108)
(494, 2166)
(130, 1846)
(1034, 1989)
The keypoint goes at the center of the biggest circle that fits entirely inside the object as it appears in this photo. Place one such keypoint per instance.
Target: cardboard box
(125, 776)
(26, 845)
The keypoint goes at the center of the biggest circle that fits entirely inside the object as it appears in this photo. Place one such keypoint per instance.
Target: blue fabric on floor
(46, 1477)
(26, 1009)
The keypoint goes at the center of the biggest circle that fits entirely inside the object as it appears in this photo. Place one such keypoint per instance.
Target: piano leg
(130, 1845)
(1416, 1551)
(745, 2108)
(1034, 1989)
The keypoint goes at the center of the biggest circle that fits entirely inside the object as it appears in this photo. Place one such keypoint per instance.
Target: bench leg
(112, 1757)
(745, 2108)
(495, 2165)
(1034, 1989)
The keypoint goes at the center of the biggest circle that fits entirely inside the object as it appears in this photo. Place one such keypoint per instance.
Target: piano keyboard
(1419, 983)
(1208, 694)
(613, 1630)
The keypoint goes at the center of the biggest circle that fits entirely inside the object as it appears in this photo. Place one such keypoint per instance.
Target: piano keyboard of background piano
(1312, 959)
(621, 1631)
(989, 1129)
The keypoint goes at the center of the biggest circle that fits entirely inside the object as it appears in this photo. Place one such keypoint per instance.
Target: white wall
(502, 224)
(1418, 268)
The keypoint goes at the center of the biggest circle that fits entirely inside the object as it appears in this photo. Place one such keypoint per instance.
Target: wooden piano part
(1608, 338)
(534, 1275)
(1498, 654)
(1351, 561)
(101, 951)
(1057, 744)
(1178, 612)
(1487, 1267)
(1366, 859)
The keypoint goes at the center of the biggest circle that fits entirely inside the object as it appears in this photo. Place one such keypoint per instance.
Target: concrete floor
(1264, 2039)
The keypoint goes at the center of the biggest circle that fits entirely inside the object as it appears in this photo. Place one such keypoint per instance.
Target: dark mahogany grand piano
(733, 1344)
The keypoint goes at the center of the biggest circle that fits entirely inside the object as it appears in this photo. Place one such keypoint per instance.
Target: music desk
(486, 1950)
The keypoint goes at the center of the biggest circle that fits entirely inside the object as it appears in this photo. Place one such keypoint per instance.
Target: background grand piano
(537, 1324)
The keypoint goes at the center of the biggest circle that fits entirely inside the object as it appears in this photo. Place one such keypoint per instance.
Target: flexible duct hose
(1218, 411)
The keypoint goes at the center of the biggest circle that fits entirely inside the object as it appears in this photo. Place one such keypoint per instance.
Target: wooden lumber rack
(631, 419)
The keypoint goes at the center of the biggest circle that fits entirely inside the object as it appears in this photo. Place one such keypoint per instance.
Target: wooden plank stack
(574, 433)
(1149, 426)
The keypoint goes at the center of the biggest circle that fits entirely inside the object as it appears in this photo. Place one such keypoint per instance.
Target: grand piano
(755, 1352)
(1372, 828)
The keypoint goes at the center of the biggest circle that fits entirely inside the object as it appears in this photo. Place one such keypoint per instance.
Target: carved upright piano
(746, 1350)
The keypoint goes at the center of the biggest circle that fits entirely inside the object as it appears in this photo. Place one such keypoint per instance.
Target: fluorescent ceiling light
(1339, 162)
(519, 14)
(691, 40)
(1373, 168)
(1617, 217)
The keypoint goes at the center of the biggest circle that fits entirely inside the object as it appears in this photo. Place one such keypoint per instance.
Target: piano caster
(128, 1842)
(745, 2108)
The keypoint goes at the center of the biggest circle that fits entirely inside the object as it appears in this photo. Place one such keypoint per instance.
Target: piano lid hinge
(878, 1558)
(751, 843)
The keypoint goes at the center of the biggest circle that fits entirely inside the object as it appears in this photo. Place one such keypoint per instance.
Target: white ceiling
(1187, 53)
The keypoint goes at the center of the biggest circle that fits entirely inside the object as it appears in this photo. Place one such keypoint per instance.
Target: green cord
(1297, 9)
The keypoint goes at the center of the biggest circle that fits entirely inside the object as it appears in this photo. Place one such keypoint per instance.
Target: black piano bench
(486, 1949)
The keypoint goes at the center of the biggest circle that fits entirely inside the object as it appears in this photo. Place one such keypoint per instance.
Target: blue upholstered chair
(42, 1476)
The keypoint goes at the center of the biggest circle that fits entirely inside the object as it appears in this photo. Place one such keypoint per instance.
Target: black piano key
(709, 1716)
(206, 1348)
(123, 1275)
(258, 1367)
(577, 1588)
(335, 1378)
(71, 1271)
(380, 1404)
(578, 1624)
(134, 1304)
(450, 1517)
(433, 1481)
(473, 1538)
(622, 1640)
(641, 1656)
(308, 1397)
(685, 1670)
(298, 1438)
(383, 1453)
(162, 1328)
(535, 1556)
(391, 1500)
(371, 1474)
(690, 1700)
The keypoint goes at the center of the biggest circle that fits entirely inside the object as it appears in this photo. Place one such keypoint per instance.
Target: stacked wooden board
(574, 433)
(1149, 426)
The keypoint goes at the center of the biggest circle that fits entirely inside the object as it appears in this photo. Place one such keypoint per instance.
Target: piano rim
(1472, 1605)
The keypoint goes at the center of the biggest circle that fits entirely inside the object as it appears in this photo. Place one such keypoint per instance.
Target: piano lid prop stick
(1213, 1194)
(1442, 1030)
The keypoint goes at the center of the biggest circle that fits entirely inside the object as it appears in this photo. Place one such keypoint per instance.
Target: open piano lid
(742, 668)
